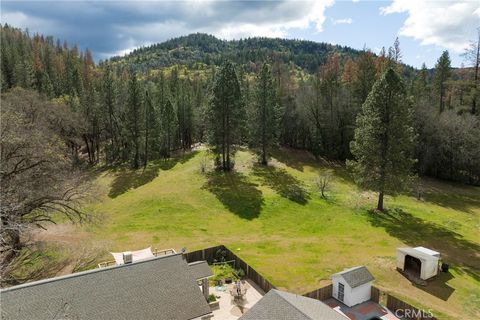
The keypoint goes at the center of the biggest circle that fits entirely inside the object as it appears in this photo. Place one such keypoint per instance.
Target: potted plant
(213, 302)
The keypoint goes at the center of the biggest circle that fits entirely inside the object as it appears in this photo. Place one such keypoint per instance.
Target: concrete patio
(228, 310)
(364, 311)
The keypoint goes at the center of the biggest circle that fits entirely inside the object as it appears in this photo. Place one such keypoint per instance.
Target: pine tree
(134, 117)
(364, 77)
(421, 82)
(150, 127)
(442, 74)
(384, 139)
(167, 119)
(111, 123)
(264, 116)
(225, 116)
(330, 86)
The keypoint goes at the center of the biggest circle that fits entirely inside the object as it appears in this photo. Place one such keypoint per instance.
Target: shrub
(211, 298)
(221, 272)
(240, 273)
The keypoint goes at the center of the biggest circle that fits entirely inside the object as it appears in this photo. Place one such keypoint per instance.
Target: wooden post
(205, 288)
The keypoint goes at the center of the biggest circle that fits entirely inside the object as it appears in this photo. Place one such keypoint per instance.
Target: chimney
(127, 257)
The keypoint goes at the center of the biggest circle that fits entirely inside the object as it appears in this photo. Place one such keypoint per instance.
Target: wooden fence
(321, 294)
(406, 310)
(210, 254)
(375, 294)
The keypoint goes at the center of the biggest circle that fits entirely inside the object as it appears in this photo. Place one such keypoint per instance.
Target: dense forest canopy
(255, 92)
(199, 48)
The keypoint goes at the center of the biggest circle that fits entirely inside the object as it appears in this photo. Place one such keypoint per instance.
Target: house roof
(280, 305)
(160, 288)
(200, 269)
(356, 276)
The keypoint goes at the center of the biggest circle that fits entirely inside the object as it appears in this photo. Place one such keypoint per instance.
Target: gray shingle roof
(356, 276)
(279, 305)
(200, 269)
(160, 288)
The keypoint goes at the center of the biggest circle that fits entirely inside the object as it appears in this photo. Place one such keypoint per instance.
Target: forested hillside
(155, 100)
(198, 49)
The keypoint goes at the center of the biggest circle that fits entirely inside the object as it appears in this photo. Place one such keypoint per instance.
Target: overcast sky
(111, 27)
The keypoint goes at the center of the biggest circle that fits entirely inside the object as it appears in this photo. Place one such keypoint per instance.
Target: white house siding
(353, 296)
(360, 294)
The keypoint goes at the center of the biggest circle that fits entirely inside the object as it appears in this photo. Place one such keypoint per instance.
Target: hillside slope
(201, 48)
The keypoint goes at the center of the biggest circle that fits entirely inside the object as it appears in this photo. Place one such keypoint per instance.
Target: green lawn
(275, 219)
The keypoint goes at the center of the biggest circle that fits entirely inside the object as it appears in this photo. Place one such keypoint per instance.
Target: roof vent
(127, 257)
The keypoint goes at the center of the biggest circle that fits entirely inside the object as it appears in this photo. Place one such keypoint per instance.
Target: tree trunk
(228, 166)
(145, 162)
(474, 100)
(14, 246)
(380, 201)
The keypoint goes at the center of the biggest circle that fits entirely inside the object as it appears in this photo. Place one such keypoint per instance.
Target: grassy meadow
(275, 219)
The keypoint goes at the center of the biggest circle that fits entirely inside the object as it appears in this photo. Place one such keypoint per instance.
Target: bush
(240, 273)
(221, 272)
(211, 298)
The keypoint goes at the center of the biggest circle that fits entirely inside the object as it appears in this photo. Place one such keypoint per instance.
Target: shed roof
(160, 288)
(420, 254)
(356, 276)
(280, 305)
(428, 251)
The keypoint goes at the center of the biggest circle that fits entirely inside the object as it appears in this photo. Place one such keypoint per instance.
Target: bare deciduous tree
(323, 182)
(38, 176)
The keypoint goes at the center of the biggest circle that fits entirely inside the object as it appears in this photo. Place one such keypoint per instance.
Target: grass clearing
(276, 221)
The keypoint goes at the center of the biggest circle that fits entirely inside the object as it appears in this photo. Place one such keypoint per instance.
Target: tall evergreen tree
(108, 90)
(134, 115)
(167, 120)
(421, 83)
(150, 127)
(442, 74)
(364, 77)
(384, 139)
(264, 116)
(225, 116)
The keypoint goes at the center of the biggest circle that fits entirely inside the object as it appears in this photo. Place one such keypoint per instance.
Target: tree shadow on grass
(283, 183)
(167, 164)
(294, 158)
(236, 193)
(461, 200)
(455, 250)
(126, 178)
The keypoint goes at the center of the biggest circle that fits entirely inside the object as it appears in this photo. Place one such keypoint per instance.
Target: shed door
(341, 291)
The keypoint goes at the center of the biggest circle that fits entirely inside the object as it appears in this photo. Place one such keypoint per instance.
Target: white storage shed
(352, 286)
(419, 262)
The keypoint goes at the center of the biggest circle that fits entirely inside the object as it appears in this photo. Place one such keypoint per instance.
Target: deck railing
(155, 252)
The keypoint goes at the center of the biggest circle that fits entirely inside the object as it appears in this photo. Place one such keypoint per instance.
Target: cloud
(342, 21)
(447, 24)
(111, 27)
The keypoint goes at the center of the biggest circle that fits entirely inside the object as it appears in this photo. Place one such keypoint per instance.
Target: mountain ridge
(207, 49)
